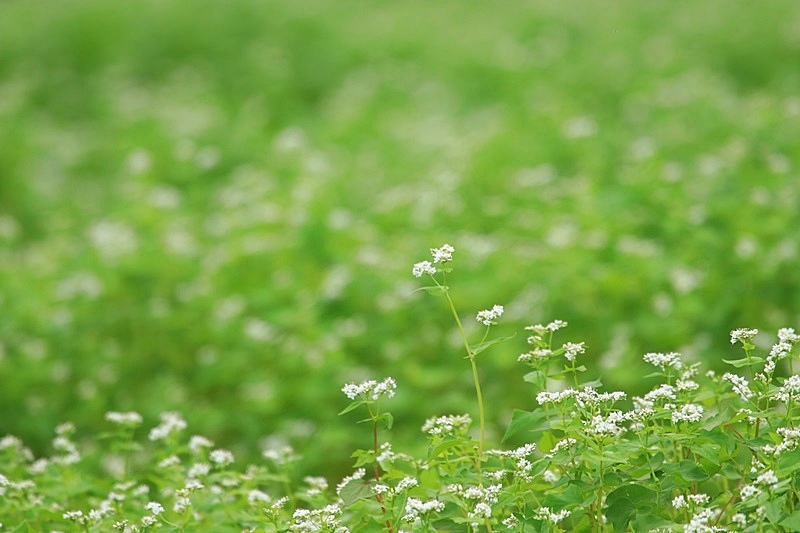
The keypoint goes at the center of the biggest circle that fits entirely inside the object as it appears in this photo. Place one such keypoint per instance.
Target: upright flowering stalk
(369, 394)
(488, 318)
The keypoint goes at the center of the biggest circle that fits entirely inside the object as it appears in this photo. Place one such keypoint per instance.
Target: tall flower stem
(475, 376)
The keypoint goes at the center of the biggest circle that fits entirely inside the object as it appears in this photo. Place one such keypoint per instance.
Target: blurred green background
(214, 207)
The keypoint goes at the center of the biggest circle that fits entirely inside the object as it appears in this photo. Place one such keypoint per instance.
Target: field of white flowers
(214, 209)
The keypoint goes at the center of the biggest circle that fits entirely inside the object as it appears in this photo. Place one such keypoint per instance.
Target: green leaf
(739, 363)
(354, 490)
(481, 346)
(627, 502)
(433, 289)
(353, 406)
(388, 419)
(791, 522)
(525, 420)
(532, 377)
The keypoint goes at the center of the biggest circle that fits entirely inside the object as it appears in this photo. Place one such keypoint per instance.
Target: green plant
(699, 452)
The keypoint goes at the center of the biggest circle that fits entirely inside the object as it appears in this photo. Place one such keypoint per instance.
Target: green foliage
(209, 207)
(696, 453)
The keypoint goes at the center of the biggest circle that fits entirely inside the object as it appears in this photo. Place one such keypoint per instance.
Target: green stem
(475, 377)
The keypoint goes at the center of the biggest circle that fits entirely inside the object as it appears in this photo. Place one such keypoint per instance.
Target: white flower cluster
(171, 422)
(606, 426)
(687, 413)
(680, 501)
(130, 418)
(440, 256)
(663, 391)
(487, 317)
(483, 498)
(790, 390)
(447, 426)
(221, 457)
(416, 507)
(541, 330)
(561, 445)
(664, 360)
(740, 386)
(522, 465)
(790, 441)
(313, 521)
(586, 397)
(572, 350)
(701, 522)
(544, 513)
(370, 389)
(743, 335)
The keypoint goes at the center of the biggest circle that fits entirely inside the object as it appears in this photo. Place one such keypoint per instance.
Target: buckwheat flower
(539, 329)
(487, 317)
(740, 386)
(370, 389)
(544, 513)
(317, 485)
(679, 502)
(167, 462)
(550, 476)
(416, 507)
(512, 522)
(664, 360)
(443, 254)
(198, 470)
(555, 397)
(684, 385)
(767, 478)
(701, 522)
(537, 354)
(664, 391)
(197, 443)
(749, 491)
(423, 267)
(171, 422)
(688, 413)
(788, 335)
(405, 484)
(130, 418)
(563, 444)
(75, 516)
(790, 390)
(380, 488)
(280, 456)
(743, 335)
(257, 497)
(154, 507)
(447, 426)
(740, 520)
(221, 457)
(148, 521)
(699, 499)
(780, 350)
(572, 350)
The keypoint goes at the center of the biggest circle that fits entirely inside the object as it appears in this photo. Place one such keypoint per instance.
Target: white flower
(544, 513)
(767, 478)
(740, 385)
(743, 335)
(488, 316)
(416, 507)
(423, 267)
(790, 390)
(664, 360)
(155, 508)
(370, 389)
(572, 350)
(447, 425)
(171, 422)
(130, 418)
(688, 413)
(197, 443)
(221, 457)
(443, 254)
